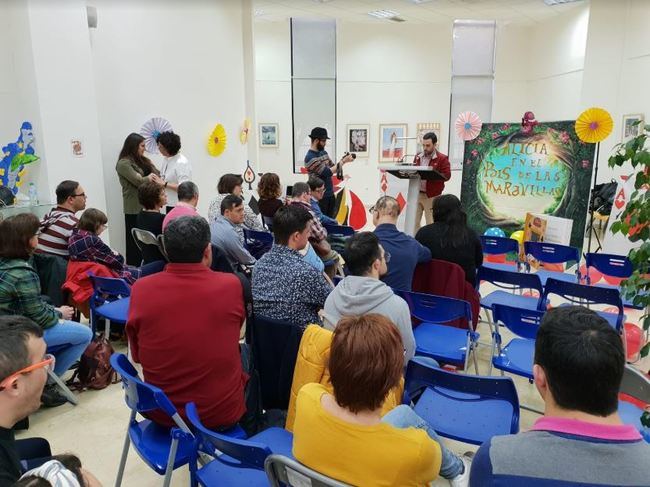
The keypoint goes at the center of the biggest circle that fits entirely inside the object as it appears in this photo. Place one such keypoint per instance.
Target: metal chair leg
(170, 462)
(125, 452)
(107, 329)
(72, 399)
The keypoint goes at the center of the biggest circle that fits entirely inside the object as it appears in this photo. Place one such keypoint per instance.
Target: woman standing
(20, 294)
(176, 169)
(133, 169)
(450, 239)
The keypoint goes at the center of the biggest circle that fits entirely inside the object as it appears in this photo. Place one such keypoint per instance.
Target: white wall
(183, 61)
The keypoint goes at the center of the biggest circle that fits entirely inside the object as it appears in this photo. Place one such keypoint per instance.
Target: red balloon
(633, 338)
(496, 259)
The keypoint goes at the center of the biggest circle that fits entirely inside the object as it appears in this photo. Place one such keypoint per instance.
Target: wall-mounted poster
(424, 128)
(392, 146)
(357, 139)
(632, 126)
(77, 147)
(269, 136)
(508, 173)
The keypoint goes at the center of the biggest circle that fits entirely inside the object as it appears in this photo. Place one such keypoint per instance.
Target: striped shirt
(563, 452)
(56, 228)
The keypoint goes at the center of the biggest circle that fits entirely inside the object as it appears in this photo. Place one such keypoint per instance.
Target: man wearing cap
(318, 163)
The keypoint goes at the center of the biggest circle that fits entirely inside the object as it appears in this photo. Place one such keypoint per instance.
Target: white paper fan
(468, 125)
(151, 129)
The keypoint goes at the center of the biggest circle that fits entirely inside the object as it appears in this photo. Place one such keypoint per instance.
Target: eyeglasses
(319, 190)
(83, 195)
(47, 362)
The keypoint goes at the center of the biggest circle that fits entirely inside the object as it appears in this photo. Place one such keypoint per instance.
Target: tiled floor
(94, 430)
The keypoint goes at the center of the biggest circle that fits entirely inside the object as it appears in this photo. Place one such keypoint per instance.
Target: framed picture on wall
(630, 130)
(357, 139)
(269, 135)
(392, 145)
(424, 128)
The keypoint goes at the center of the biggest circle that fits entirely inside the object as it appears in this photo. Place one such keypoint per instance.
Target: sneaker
(52, 397)
(462, 480)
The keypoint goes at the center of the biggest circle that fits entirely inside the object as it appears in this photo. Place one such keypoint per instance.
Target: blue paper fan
(151, 129)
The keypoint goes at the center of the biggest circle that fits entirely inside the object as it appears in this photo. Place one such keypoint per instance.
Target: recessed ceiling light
(550, 3)
(383, 14)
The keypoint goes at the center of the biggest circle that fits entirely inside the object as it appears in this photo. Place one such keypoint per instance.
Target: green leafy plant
(634, 223)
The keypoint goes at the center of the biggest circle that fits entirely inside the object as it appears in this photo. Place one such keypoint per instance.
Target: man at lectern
(318, 162)
(430, 189)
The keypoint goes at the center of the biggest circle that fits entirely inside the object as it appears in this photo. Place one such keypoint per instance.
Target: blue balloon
(495, 232)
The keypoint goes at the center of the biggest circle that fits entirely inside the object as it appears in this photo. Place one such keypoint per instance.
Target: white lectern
(414, 174)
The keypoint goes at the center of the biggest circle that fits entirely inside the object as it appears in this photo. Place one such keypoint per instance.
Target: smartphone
(289, 191)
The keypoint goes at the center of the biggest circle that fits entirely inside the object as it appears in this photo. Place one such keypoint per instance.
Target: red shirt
(183, 327)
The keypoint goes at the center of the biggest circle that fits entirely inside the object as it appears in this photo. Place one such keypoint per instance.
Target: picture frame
(358, 139)
(629, 130)
(269, 135)
(392, 145)
(423, 128)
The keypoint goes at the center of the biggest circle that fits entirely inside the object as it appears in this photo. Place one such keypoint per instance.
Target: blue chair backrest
(436, 309)
(340, 230)
(249, 453)
(552, 253)
(257, 243)
(139, 395)
(522, 322)
(268, 222)
(499, 245)
(582, 294)
(610, 264)
(420, 376)
(109, 286)
(515, 280)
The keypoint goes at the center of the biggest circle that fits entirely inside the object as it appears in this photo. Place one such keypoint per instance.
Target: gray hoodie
(356, 295)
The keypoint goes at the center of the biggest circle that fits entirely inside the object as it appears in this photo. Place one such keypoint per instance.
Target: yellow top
(377, 455)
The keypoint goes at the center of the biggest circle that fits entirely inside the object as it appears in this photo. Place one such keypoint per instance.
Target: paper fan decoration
(217, 141)
(468, 125)
(594, 125)
(151, 129)
(246, 128)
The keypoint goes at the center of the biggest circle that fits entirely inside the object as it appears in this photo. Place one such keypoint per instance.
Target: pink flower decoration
(495, 135)
(564, 137)
(480, 140)
(468, 125)
(505, 126)
(585, 164)
(474, 153)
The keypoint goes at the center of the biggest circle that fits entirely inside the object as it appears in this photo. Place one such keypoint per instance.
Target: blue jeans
(75, 335)
(404, 417)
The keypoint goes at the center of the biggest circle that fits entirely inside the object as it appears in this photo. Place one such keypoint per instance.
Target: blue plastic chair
(584, 295)
(257, 243)
(110, 300)
(637, 386)
(281, 471)
(500, 246)
(237, 461)
(162, 449)
(550, 253)
(462, 407)
(611, 265)
(517, 356)
(338, 230)
(268, 222)
(433, 339)
(512, 281)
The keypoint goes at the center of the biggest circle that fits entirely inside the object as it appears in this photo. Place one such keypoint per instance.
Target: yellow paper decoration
(246, 128)
(217, 141)
(594, 125)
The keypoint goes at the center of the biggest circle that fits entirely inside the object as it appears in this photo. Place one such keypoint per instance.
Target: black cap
(318, 133)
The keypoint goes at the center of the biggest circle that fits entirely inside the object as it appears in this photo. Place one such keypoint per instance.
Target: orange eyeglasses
(48, 361)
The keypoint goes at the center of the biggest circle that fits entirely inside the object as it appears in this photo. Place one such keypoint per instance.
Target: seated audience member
(449, 238)
(176, 169)
(580, 440)
(20, 294)
(344, 436)
(232, 184)
(318, 236)
(405, 251)
(183, 327)
(224, 235)
(317, 187)
(285, 287)
(86, 246)
(61, 471)
(56, 227)
(152, 197)
(23, 374)
(188, 198)
(362, 292)
(270, 192)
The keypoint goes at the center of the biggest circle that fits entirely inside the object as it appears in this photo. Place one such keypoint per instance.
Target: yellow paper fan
(594, 125)
(243, 135)
(217, 141)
